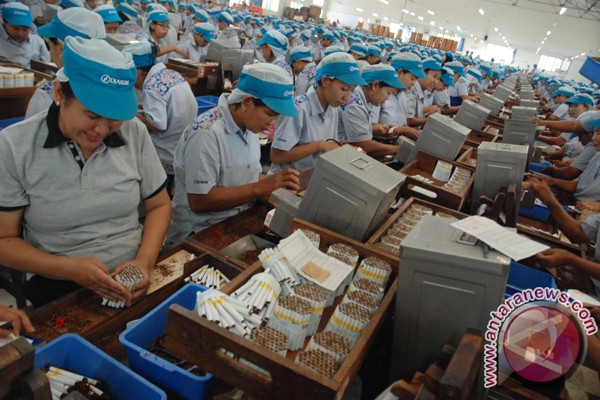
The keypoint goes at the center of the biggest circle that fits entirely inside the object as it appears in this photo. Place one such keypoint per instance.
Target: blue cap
(581, 99)
(448, 77)
(157, 16)
(450, 55)
(383, 73)
(70, 3)
(17, 14)
(301, 53)
(306, 34)
(108, 13)
(77, 22)
(485, 69)
(127, 9)
(408, 62)
(225, 17)
(268, 83)
(359, 49)
(432, 63)
(199, 13)
(456, 66)
(333, 49)
(274, 38)
(374, 51)
(205, 29)
(340, 66)
(595, 123)
(563, 90)
(142, 52)
(476, 74)
(327, 34)
(596, 94)
(172, 3)
(101, 77)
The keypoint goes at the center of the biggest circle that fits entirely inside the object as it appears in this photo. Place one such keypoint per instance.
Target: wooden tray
(14, 101)
(203, 343)
(83, 313)
(476, 137)
(468, 158)
(424, 165)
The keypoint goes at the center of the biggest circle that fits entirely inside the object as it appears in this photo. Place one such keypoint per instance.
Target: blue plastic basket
(138, 338)
(538, 167)
(5, 123)
(73, 353)
(521, 277)
(539, 212)
(205, 103)
(591, 70)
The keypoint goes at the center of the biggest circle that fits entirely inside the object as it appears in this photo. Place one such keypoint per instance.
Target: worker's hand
(288, 179)
(18, 319)
(431, 109)
(381, 129)
(537, 120)
(541, 189)
(408, 131)
(593, 206)
(94, 275)
(182, 52)
(555, 257)
(140, 289)
(325, 146)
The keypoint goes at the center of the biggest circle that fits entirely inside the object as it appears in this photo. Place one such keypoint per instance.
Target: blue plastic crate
(538, 167)
(138, 338)
(205, 103)
(521, 277)
(591, 70)
(5, 123)
(539, 212)
(73, 353)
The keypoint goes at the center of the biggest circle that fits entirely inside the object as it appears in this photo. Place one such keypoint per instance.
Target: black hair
(382, 84)
(67, 91)
(124, 17)
(146, 69)
(257, 103)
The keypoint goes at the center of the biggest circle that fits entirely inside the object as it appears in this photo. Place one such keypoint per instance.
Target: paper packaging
(9, 81)
(442, 171)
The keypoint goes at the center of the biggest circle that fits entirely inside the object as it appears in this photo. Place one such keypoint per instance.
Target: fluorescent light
(548, 33)
(496, 29)
(420, 18)
(471, 35)
(359, 9)
(458, 27)
(503, 37)
(432, 23)
(375, 15)
(440, 28)
(405, 11)
(481, 11)
(412, 13)
(543, 41)
(386, 2)
(430, 12)
(386, 19)
(576, 56)
(583, 54)
(562, 10)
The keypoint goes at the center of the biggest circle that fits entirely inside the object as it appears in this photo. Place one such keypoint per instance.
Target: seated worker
(579, 150)
(110, 16)
(17, 319)
(561, 110)
(158, 25)
(18, 45)
(128, 25)
(225, 31)
(217, 161)
(475, 81)
(373, 54)
(578, 125)
(299, 141)
(73, 218)
(441, 98)
(356, 119)
(168, 104)
(197, 46)
(198, 16)
(460, 91)
(252, 44)
(76, 22)
(326, 39)
(274, 46)
(393, 111)
(304, 67)
(417, 112)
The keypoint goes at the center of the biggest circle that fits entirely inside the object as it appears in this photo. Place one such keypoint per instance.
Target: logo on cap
(352, 69)
(288, 93)
(15, 12)
(115, 81)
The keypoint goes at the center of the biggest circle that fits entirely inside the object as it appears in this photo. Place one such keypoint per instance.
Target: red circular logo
(541, 344)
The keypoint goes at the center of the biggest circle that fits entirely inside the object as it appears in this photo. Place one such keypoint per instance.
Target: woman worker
(73, 178)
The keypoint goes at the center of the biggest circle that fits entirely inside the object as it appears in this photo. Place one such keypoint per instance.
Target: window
(271, 5)
(550, 64)
(500, 54)
(565, 65)
(318, 3)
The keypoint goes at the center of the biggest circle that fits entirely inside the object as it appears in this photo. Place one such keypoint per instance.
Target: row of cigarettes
(274, 261)
(259, 295)
(226, 311)
(129, 277)
(63, 382)
(209, 277)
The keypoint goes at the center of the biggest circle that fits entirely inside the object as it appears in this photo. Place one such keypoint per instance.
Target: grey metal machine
(492, 103)
(502, 93)
(216, 48)
(234, 60)
(520, 113)
(442, 136)
(350, 193)
(472, 115)
(444, 287)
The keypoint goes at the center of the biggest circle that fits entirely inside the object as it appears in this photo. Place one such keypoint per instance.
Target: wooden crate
(424, 165)
(476, 137)
(468, 158)
(203, 343)
(379, 233)
(14, 101)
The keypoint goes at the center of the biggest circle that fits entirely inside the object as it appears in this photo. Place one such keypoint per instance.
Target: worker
(158, 24)
(18, 320)
(299, 141)
(274, 47)
(110, 17)
(73, 218)
(18, 45)
(225, 30)
(304, 67)
(217, 161)
(417, 111)
(356, 124)
(196, 46)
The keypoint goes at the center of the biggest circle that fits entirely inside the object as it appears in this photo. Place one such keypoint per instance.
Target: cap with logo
(17, 14)
(157, 16)
(301, 53)
(269, 83)
(108, 13)
(206, 30)
(382, 73)
(342, 67)
(77, 22)
(408, 62)
(101, 77)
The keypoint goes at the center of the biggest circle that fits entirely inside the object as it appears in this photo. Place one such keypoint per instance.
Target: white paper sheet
(299, 251)
(497, 237)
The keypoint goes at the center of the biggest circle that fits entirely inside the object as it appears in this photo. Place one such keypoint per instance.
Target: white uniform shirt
(305, 79)
(41, 100)
(461, 88)
(356, 118)
(441, 97)
(175, 21)
(212, 152)
(562, 112)
(230, 35)
(194, 51)
(394, 110)
(33, 48)
(591, 227)
(170, 106)
(415, 102)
